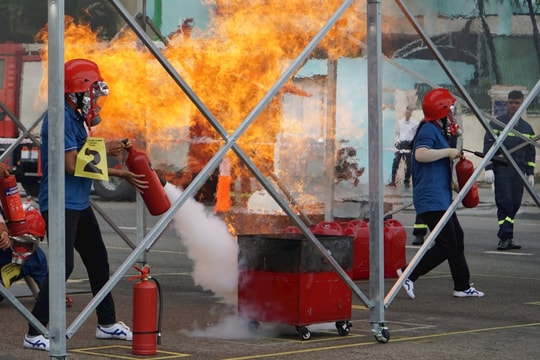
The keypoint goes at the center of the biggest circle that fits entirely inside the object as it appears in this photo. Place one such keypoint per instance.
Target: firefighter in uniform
(507, 183)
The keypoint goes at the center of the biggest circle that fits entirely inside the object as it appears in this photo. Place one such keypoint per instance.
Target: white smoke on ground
(209, 244)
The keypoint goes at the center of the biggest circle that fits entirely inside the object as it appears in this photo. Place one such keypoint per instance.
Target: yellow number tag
(92, 160)
(10, 274)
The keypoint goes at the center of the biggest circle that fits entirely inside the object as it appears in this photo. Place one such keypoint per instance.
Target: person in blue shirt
(85, 91)
(432, 164)
(507, 182)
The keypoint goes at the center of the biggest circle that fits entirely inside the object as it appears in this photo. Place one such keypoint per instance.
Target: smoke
(209, 244)
(214, 252)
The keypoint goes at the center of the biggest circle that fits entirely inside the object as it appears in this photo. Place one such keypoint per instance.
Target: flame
(230, 67)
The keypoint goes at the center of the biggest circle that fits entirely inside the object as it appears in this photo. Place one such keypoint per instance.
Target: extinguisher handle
(144, 273)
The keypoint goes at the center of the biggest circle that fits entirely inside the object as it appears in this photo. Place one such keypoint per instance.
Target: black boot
(418, 240)
(505, 244)
(513, 245)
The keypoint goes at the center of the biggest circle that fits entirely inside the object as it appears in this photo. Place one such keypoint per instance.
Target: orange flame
(230, 67)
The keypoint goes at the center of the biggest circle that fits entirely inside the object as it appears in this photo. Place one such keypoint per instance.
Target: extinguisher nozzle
(161, 179)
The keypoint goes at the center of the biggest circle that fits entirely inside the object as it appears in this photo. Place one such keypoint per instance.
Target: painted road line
(511, 253)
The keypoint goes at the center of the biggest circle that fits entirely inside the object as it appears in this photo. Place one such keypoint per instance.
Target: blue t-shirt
(35, 266)
(432, 182)
(77, 189)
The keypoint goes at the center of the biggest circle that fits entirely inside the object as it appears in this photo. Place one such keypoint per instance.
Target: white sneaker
(119, 331)
(471, 292)
(408, 285)
(38, 342)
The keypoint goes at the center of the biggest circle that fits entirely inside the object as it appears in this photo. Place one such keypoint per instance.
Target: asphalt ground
(505, 324)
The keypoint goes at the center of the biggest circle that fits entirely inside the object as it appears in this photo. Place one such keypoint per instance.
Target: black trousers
(508, 197)
(84, 235)
(449, 245)
(406, 154)
(420, 227)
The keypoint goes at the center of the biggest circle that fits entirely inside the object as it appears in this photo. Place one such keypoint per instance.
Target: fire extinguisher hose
(160, 308)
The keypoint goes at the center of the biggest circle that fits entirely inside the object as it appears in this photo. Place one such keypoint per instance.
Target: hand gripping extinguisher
(146, 322)
(464, 170)
(154, 196)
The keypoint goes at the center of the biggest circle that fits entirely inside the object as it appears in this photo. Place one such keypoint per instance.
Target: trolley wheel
(343, 327)
(254, 326)
(384, 336)
(305, 334)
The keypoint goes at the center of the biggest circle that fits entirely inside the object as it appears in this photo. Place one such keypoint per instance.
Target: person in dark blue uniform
(507, 182)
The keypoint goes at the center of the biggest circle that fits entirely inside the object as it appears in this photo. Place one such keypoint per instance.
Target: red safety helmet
(437, 104)
(79, 75)
(35, 223)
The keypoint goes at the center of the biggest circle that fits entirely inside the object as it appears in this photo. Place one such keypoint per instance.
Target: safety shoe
(408, 285)
(119, 331)
(418, 240)
(38, 342)
(507, 244)
(513, 244)
(471, 292)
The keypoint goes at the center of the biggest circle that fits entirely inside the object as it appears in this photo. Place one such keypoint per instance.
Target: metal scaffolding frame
(377, 303)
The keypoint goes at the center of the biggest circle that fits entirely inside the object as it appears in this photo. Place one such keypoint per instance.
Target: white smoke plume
(209, 244)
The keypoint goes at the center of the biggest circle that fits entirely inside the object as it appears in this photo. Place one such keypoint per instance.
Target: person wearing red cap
(432, 163)
(85, 90)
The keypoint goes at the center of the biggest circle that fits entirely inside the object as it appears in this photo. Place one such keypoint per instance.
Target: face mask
(92, 102)
(453, 128)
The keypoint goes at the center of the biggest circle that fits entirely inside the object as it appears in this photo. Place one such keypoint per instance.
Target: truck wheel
(116, 189)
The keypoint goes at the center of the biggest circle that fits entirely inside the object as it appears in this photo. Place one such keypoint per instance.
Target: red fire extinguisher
(12, 206)
(154, 196)
(146, 323)
(464, 170)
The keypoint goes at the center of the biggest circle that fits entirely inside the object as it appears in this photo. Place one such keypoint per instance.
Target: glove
(530, 180)
(489, 177)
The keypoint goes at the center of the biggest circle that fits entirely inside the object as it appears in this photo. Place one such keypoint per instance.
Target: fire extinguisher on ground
(464, 170)
(146, 318)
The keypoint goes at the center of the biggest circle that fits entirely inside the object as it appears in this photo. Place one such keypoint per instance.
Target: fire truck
(20, 75)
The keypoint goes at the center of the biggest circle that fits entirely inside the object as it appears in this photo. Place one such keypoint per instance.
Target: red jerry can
(327, 228)
(292, 230)
(395, 239)
(359, 229)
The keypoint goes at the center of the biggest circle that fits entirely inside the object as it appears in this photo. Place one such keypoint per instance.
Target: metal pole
(56, 226)
(376, 243)
(330, 158)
